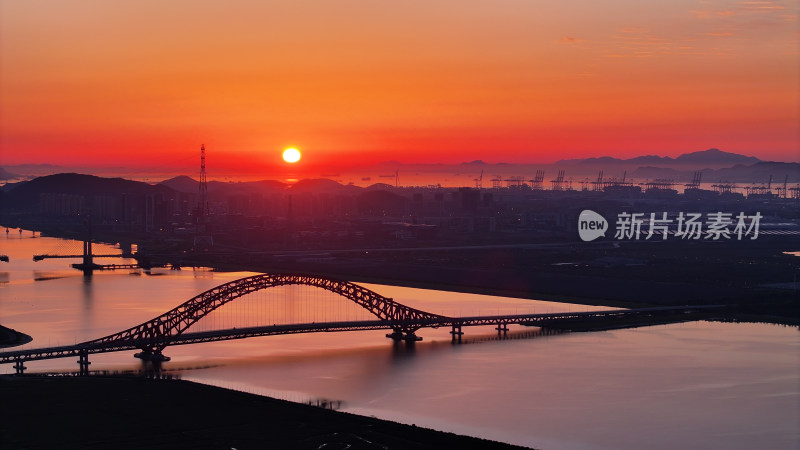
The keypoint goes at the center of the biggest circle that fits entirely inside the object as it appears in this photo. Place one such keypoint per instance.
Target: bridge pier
(408, 335)
(19, 366)
(152, 356)
(502, 329)
(127, 249)
(456, 333)
(83, 363)
(155, 358)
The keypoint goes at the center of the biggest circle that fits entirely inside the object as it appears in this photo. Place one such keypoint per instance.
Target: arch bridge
(170, 328)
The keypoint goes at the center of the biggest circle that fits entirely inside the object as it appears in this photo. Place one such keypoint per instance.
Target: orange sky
(144, 83)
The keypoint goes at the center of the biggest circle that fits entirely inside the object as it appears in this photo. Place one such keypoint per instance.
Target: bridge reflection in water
(171, 328)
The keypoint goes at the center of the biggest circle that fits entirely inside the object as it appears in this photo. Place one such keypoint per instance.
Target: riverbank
(119, 413)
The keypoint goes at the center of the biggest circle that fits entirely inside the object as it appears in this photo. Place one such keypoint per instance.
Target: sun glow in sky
(355, 81)
(291, 155)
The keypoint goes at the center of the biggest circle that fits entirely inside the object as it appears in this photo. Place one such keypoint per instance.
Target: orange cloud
(761, 6)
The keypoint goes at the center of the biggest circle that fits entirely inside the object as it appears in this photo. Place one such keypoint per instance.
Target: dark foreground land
(106, 412)
(12, 338)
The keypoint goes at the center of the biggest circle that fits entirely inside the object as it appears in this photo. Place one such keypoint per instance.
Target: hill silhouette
(189, 185)
(318, 185)
(182, 183)
(25, 195)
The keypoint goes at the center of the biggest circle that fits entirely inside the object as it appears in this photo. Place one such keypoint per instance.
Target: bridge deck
(41, 257)
(241, 333)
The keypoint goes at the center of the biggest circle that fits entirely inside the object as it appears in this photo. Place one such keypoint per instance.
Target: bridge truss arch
(156, 334)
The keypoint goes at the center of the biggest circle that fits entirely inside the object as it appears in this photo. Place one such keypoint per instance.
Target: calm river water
(695, 385)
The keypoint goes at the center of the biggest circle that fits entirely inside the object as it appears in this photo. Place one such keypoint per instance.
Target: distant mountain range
(711, 158)
(715, 165)
(26, 195)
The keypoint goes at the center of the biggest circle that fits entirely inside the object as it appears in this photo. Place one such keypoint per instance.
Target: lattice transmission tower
(202, 234)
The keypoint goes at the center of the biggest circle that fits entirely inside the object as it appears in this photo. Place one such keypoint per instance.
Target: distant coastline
(714, 165)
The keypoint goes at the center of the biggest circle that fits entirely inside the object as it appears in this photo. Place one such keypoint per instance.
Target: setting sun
(291, 155)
